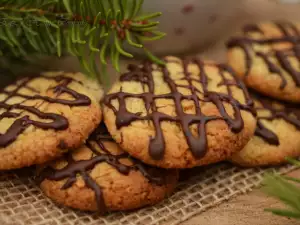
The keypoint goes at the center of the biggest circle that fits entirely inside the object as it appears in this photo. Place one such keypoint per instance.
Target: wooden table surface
(245, 210)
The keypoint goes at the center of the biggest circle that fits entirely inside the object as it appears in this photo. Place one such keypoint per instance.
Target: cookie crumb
(80, 183)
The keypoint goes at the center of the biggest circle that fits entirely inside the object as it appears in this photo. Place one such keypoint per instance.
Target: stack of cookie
(54, 120)
(267, 57)
(156, 120)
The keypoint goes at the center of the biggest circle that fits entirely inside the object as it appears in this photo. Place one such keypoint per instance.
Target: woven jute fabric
(22, 202)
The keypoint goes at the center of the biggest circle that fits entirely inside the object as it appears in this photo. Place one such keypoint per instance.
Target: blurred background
(198, 27)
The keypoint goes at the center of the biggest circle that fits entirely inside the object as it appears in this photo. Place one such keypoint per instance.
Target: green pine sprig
(287, 190)
(87, 29)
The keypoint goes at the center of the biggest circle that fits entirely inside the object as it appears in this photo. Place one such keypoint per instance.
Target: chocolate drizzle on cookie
(290, 113)
(58, 122)
(197, 145)
(290, 35)
(83, 167)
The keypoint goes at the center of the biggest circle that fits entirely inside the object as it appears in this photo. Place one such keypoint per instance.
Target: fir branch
(285, 189)
(49, 27)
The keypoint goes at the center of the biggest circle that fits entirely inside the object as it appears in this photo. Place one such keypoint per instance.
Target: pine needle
(83, 28)
(284, 188)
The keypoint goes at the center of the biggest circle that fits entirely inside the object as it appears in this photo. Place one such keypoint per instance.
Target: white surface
(191, 24)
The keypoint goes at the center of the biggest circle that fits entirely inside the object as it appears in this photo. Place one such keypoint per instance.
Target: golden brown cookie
(277, 134)
(99, 176)
(267, 57)
(42, 116)
(185, 114)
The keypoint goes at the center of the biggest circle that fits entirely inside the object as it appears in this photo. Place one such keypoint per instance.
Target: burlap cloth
(22, 202)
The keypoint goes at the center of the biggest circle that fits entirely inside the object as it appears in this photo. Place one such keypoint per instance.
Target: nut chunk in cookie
(184, 114)
(99, 176)
(277, 134)
(42, 116)
(267, 57)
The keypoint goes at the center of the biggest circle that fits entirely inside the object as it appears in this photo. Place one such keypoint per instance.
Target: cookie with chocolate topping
(277, 134)
(42, 116)
(181, 115)
(100, 177)
(267, 57)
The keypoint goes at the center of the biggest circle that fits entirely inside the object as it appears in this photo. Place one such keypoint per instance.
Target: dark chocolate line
(285, 113)
(83, 167)
(58, 122)
(197, 145)
(246, 43)
(266, 134)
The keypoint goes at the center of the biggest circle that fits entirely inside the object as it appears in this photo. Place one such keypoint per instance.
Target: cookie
(42, 116)
(267, 57)
(277, 134)
(185, 114)
(101, 177)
